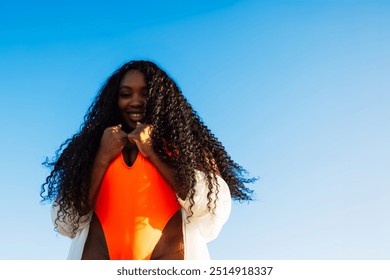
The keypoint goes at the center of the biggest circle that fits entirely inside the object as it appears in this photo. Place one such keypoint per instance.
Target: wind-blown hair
(180, 139)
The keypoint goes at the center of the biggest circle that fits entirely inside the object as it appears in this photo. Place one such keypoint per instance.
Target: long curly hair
(180, 139)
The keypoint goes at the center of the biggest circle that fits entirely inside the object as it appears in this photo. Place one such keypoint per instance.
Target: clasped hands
(114, 139)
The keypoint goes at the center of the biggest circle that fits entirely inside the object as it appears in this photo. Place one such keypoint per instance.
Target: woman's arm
(111, 144)
(141, 137)
(98, 169)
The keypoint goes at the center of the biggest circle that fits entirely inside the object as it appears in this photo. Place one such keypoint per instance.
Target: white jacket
(202, 227)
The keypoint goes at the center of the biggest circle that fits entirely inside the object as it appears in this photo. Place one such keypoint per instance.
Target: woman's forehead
(133, 78)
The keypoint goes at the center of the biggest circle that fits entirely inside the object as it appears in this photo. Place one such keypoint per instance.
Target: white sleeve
(63, 226)
(209, 224)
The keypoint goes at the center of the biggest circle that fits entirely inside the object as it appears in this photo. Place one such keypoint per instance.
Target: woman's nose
(137, 100)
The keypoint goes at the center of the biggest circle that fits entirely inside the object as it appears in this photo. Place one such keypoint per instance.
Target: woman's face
(132, 98)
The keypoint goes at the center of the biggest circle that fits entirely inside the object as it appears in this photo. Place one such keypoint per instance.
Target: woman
(144, 178)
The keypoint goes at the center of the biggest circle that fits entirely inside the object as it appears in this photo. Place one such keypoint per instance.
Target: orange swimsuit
(133, 206)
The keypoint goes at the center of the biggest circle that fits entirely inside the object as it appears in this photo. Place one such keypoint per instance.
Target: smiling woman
(144, 178)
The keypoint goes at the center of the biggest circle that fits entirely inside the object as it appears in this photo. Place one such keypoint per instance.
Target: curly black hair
(180, 139)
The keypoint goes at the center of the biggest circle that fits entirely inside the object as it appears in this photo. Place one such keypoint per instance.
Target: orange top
(133, 205)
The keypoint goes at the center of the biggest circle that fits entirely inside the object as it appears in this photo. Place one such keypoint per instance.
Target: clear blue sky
(298, 92)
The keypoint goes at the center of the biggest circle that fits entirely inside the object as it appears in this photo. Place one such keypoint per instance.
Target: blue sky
(298, 92)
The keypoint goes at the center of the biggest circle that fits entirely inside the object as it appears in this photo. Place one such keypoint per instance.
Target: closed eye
(124, 94)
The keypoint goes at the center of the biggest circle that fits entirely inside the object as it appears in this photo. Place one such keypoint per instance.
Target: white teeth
(138, 115)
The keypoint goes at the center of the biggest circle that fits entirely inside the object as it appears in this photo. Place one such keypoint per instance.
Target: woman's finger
(132, 137)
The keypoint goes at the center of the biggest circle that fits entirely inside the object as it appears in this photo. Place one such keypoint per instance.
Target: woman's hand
(141, 136)
(112, 143)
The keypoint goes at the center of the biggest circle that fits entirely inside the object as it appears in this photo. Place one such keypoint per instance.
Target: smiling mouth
(136, 115)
